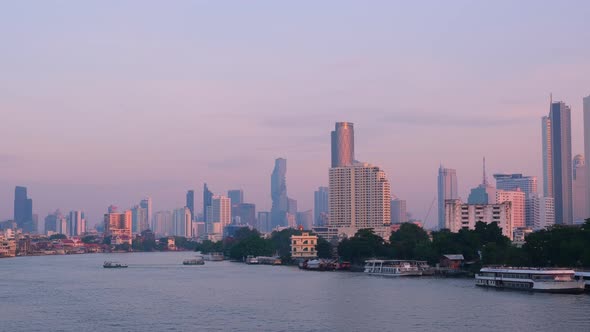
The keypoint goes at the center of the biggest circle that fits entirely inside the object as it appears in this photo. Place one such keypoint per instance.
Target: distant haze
(105, 102)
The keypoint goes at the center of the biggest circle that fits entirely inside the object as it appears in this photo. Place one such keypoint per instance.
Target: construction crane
(429, 210)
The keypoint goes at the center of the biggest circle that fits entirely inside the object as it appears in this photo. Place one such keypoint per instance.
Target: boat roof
(393, 261)
(458, 257)
(531, 270)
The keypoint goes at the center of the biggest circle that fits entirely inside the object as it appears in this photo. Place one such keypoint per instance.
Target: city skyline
(273, 108)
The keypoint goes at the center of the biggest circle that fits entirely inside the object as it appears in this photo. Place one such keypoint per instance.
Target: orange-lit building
(118, 225)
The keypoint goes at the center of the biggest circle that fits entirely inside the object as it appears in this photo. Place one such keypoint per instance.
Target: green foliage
(57, 237)
(281, 242)
(323, 248)
(364, 244)
(410, 242)
(559, 246)
(208, 246)
(107, 240)
(90, 239)
(252, 245)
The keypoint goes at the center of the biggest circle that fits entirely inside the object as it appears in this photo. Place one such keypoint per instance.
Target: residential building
(118, 225)
(221, 210)
(543, 210)
(138, 216)
(320, 205)
(447, 189)
(580, 192)
(459, 215)
(398, 211)
(278, 191)
(343, 144)
(182, 222)
(304, 246)
(190, 203)
(517, 201)
(527, 184)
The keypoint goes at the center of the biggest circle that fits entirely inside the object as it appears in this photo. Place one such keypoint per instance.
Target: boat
(318, 264)
(251, 260)
(198, 260)
(269, 260)
(113, 265)
(550, 280)
(213, 257)
(584, 275)
(392, 268)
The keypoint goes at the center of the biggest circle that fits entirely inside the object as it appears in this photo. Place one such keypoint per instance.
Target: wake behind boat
(550, 280)
(114, 265)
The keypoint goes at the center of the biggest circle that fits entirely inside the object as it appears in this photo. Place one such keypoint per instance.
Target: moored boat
(213, 257)
(198, 260)
(550, 280)
(584, 275)
(251, 260)
(113, 265)
(392, 268)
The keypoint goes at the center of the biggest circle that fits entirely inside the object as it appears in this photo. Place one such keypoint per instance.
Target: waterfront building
(447, 189)
(398, 211)
(305, 219)
(23, 210)
(278, 192)
(190, 203)
(144, 223)
(359, 197)
(459, 215)
(304, 246)
(207, 197)
(7, 244)
(343, 144)
(517, 201)
(263, 222)
(557, 160)
(586, 102)
(320, 205)
(182, 222)
(246, 212)
(118, 226)
(163, 224)
(236, 196)
(221, 210)
(579, 190)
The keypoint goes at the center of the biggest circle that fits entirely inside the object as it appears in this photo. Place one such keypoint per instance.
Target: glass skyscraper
(343, 144)
(447, 189)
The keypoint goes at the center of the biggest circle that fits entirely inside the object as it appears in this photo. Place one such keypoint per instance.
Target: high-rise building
(246, 213)
(447, 189)
(220, 210)
(190, 203)
(236, 196)
(51, 222)
(320, 205)
(343, 144)
(359, 198)
(587, 146)
(207, 197)
(398, 211)
(517, 199)
(144, 223)
(305, 219)
(23, 210)
(263, 222)
(138, 217)
(118, 226)
(543, 211)
(557, 168)
(163, 224)
(459, 215)
(182, 222)
(76, 223)
(527, 184)
(579, 190)
(278, 192)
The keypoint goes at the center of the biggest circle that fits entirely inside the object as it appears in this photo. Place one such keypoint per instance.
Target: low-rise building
(304, 246)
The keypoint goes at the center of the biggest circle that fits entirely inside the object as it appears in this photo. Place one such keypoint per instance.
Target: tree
(323, 248)
(253, 245)
(405, 241)
(57, 237)
(281, 242)
(363, 245)
(90, 239)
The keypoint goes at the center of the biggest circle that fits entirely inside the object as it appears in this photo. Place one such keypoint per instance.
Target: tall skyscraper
(146, 204)
(236, 196)
(207, 196)
(320, 205)
(343, 144)
(587, 146)
(558, 169)
(579, 190)
(278, 192)
(181, 220)
(547, 157)
(447, 189)
(76, 224)
(190, 203)
(23, 210)
(398, 211)
(220, 210)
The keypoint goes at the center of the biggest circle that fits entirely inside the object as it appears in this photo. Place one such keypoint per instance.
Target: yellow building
(304, 246)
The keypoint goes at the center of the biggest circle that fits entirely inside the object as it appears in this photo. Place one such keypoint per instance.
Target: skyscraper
(264, 221)
(181, 219)
(220, 210)
(587, 145)
(320, 205)
(76, 224)
(447, 189)
(207, 196)
(190, 203)
(558, 168)
(398, 211)
(526, 184)
(146, 204)
(246, 212)
(305, 219)
(278, 192)
(23, 209)
(579, 190)
(236, 196)
(343, 144)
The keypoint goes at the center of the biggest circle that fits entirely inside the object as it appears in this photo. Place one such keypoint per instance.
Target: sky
(106, 102)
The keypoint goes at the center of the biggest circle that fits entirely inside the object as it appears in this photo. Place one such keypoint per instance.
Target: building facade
(543, 210)
(304, 246)
(447, 189)
(221, 210)
(464, 216)
(181, 219)
(118, 226)
(579, 190)
(517, 201)
(278, 192)
(343, 144)
(320, 205)
(398, 211)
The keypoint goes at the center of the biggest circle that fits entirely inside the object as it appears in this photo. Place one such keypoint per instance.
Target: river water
(157, 293)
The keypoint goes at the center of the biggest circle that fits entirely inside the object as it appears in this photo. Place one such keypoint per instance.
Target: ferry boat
(392, 268)
(114, 265)
(551, 280)
(214, 257)
(584, 275)
(251, 260)
(198, 260)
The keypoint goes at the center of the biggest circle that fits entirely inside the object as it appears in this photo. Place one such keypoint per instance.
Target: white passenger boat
(392, 268)
(551, 280)
(213, 257)
(198, 260)
(584, 275)
(251, 260)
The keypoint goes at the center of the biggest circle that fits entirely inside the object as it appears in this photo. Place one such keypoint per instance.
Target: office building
(557, 160)
(526, 184)
(305, 219)
(278, 190)
(579, 190)
(182, 222)
(163, 224)
(220, 210)
(207, 197)
(343, 144)
(144, 223)
(23, 210)
(459, 215)
(320, 206)
(236, 196)
(51, 222)
(76, 223)
(447, 189)
(398, 211)
(246, 212)
(263, 222)
(190, 203)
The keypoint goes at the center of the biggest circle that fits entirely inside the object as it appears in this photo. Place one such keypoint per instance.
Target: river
(157, 293)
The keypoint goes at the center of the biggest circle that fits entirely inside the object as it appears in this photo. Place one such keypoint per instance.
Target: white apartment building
(543, 212)
(459, 215)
